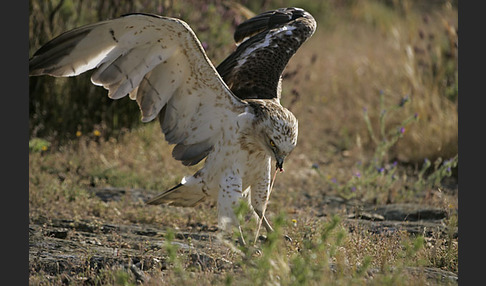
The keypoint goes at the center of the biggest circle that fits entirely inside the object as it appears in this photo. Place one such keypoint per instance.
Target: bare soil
(74, 248)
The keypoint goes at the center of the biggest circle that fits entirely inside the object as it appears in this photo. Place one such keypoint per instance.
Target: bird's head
(278, 131)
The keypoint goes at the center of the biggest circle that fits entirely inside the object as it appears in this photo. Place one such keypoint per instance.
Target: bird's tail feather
(180, 195)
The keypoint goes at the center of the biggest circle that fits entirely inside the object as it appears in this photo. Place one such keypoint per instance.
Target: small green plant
(113, 276)
(411, 248)
(242, 211)
(277, 264)
(172, 257)
(378, 175)
(272, 265)
(386, 139)
(38, 145)
(122, 277)
(441, 169)
(319, 246)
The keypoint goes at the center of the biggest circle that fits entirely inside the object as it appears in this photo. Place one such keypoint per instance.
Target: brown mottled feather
(267, 42)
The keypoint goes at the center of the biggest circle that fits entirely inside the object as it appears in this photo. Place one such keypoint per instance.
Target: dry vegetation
(375, 92)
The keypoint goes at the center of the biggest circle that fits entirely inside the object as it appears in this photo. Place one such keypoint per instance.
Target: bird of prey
(160, 63)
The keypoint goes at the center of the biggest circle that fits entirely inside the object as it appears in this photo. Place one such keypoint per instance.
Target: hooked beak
(280, 161)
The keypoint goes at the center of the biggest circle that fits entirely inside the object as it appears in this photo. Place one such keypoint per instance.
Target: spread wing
(266, 43)
(161, 64)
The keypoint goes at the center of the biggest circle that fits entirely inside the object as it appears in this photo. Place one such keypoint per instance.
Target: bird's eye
(272, 143)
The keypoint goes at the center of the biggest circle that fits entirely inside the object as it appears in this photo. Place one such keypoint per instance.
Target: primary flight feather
(159, 62)
(266, 43)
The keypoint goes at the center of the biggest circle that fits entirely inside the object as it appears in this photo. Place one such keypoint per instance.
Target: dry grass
(349, 63)
(354, 56)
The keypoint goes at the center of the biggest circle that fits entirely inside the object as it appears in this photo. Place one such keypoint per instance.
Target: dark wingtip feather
(46, 58)
(159, 199)
(265, 21)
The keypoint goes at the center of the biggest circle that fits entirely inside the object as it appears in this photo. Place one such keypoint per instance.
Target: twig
(265, 207)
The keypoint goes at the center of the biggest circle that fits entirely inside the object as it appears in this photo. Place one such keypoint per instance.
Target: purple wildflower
(404, 100)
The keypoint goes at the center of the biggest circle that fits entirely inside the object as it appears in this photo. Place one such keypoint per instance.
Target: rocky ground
(73, 248)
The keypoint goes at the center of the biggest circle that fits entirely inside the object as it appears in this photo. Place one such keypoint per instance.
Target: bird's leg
(265, 222)
(267, 225)
(259, 198)
(229, 197)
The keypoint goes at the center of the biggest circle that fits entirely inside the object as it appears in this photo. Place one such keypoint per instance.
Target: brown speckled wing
(160, 63)
(266, 44)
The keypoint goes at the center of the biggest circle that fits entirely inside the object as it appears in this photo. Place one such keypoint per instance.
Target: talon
(265, 239)
(262, 238)
(241, 239)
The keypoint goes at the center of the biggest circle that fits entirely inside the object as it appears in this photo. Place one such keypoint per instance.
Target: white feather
(158, 61)
(161, 64)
